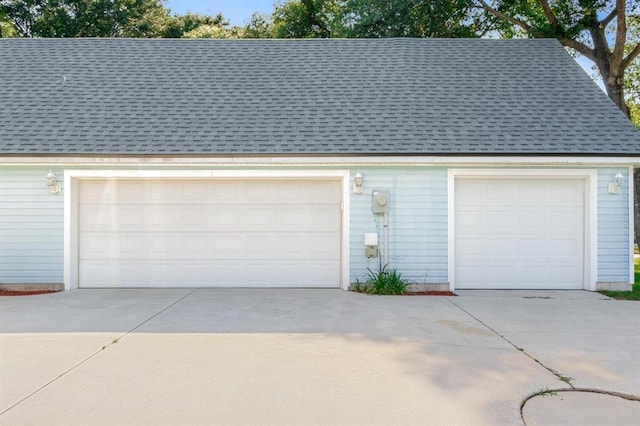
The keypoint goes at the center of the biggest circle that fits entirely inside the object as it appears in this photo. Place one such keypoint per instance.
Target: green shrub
(383, 282)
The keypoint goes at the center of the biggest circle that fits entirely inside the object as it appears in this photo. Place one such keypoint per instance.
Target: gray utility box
(380, 202)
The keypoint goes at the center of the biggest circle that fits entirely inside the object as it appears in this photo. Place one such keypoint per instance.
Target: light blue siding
(31, 227)
(417, 222)
(613, 228)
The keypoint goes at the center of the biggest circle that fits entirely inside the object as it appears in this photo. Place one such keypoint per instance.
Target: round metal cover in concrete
(580, 408)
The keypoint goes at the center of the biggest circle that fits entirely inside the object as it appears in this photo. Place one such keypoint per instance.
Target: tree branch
(580, 47)
(631, 56)
(549, 13)
(607, 19)
(499, 14)
(621, 36)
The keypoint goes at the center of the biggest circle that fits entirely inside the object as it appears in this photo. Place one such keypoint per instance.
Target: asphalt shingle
(377, 96)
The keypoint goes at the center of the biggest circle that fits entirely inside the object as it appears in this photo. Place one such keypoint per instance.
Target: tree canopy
(368, 19)
(86, 18)
(411, 18)
(597, 29)
(107, 18)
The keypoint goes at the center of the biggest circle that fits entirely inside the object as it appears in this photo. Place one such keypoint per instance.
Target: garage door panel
(227, 218)
(130, 191)
(316, 273)
(571, 194)
(257, 218)
(321, 219)
(498, 221)
(293, 218)
(497, 276)
(325, 192)
(108, 218)
(195, 191)
(162, 246)
(474, 220)
(535, 249)
(313, 246)
(324, 218)
(471, 247)
(159, 192)
(162, 272)
(209, 233)
(261, 248)
(499, 193)
(196, 218)
(96, 191)
(472, 194)
(113, 273)
(534, 218)
(293, 192)
(290, 273)
(503, 247)
(158, 217)
(194, 245)
(106, 246)
(519, 233)
(227, 191)
(96, 245)
(537, 246)
(563, 222)
(261, 192)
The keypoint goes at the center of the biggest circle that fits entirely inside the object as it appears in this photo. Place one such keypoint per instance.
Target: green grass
(383, 282)
(634, 294)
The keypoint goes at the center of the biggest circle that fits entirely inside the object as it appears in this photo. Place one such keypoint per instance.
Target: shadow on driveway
(233, 356)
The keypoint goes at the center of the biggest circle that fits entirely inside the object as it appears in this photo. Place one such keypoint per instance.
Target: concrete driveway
(243, 356)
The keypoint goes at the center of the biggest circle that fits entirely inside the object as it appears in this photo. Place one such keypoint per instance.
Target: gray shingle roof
(377, 96)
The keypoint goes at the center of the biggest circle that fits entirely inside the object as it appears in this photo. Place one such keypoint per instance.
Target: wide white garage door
(187, 233)
(519, 233)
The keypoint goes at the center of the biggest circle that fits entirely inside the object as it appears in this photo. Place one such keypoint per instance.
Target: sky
(238, 12)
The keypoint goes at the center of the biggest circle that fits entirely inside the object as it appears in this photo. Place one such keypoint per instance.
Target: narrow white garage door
(188, 233)
(519, 233)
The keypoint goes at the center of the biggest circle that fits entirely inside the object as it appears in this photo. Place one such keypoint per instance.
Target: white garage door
(188, 233)
(519, 233)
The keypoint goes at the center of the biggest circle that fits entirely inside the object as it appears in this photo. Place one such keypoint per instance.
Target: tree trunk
(615, 91)
(636, 180)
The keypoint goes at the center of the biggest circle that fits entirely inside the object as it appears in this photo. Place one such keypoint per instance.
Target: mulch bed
(25, 293)
(431, 293)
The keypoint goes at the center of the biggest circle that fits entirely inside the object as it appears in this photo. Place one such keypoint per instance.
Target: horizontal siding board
(608, 238)
(16, 234)
(44, 263)
(611, 248)
(33, 252)
(31, 227)
(23, 221)
(35, 277)
(613, 228)
(417, 222)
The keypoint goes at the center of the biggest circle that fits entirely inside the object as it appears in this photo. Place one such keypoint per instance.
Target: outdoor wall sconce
(53, 183)
(357, 184)
(616, 184)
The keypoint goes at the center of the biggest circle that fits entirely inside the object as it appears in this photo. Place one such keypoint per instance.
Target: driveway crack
(83, 361)
(566, 379)
(159, 313)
